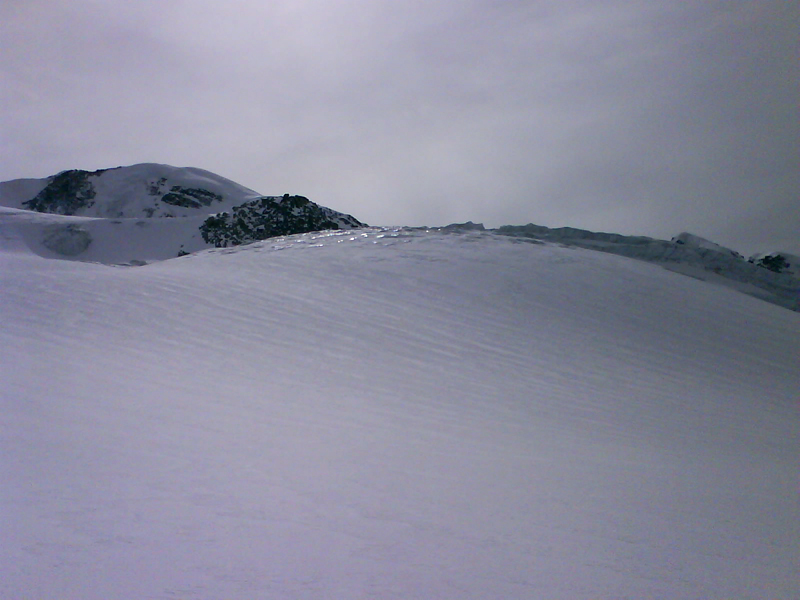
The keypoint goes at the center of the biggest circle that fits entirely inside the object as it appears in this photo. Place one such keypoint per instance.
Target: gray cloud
(637, 116)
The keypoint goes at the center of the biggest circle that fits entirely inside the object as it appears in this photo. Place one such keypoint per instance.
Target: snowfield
(393, 414)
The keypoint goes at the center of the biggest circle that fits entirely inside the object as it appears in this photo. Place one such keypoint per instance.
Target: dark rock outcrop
(774, 262)
(65, 193)
(190, 197)
(272, 216)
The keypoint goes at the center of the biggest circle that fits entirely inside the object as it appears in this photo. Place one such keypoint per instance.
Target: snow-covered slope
(109, 241)
(393, 414)
(139, 191)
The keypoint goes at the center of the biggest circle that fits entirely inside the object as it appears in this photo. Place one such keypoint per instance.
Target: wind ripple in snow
(394, 414)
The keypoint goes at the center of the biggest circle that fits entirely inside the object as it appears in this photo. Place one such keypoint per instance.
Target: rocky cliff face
(272, 216)
(65, 194)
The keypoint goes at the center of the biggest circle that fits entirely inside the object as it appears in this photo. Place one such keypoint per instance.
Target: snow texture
(394, 414)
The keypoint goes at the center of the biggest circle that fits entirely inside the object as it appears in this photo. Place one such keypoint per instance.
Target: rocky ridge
(272, 216)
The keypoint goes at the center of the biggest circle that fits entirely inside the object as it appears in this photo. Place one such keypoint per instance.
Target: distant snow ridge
(769, 279)
(272, 216)
(112, 216)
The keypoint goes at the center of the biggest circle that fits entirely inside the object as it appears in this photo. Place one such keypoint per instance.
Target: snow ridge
(687, 254)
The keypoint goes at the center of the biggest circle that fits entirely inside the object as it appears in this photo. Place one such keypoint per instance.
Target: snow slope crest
(695, 241)
(687, 254)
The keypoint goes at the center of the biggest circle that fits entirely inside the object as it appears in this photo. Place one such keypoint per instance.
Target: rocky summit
(271, 216)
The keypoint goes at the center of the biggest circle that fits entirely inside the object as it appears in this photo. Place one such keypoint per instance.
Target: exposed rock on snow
(190, 197)
(65, 194)
(270, 217)
(778, 262)
(120, 212)
(143, 190)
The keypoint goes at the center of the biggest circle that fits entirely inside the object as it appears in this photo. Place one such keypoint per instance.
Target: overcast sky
(646, 117)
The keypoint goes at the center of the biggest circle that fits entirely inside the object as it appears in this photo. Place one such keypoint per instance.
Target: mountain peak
(144, 190)
(695, 241)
